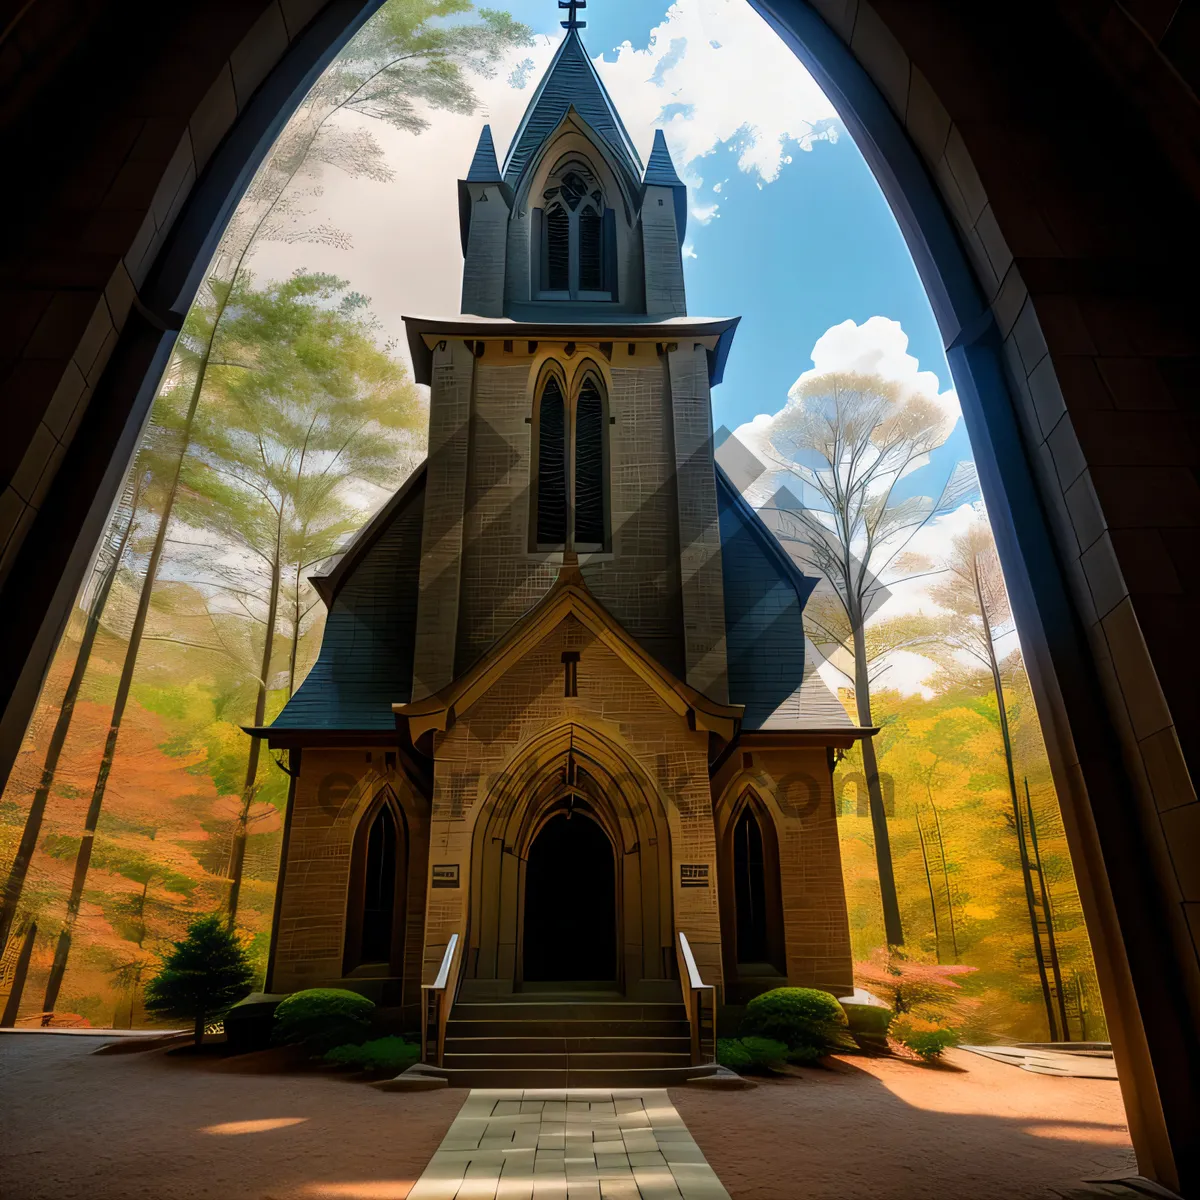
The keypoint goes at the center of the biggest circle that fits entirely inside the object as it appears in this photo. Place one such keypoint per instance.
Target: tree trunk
(12, 1008)
(1006, 738)
(237, 853)
(893, 929)
(84, 857)
(937, 939)
(15, 884)
(198, 1029)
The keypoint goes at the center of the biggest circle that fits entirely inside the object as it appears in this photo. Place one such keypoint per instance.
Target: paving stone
(579, 1144)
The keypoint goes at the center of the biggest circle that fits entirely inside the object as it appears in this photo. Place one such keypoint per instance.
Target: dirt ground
(74, 1125)
(886, 1129)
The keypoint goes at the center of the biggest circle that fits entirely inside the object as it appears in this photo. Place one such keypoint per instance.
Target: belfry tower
(562, 739)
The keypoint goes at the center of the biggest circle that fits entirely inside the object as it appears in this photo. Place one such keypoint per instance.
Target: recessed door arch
(572, 766)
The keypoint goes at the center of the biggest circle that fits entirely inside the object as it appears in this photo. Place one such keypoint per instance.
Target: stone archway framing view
(1060, 322)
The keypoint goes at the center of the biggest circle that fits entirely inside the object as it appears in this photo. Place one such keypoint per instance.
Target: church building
(563, 707)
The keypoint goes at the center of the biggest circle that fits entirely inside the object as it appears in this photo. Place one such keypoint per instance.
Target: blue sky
(792, 257)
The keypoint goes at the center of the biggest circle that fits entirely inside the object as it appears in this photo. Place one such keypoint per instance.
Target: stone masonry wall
(611, 699)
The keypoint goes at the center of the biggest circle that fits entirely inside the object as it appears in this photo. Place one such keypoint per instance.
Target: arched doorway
(572, 766)
(750, 891)
(375, 900)
(570, 927)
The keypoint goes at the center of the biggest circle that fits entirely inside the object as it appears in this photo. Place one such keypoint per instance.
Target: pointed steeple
(660, 169)
(484, 166)
(571, 80)
(660, 172)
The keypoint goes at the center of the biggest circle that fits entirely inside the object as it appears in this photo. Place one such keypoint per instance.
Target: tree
(108, 563)
(850, 439)
(972, 592)
(202, 977)
(320, 407)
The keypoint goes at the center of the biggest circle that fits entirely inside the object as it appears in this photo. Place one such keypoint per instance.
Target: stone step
(499, 1043)
(460, 1028)
(621, 1060)
(587, 1077)
(557, 1010)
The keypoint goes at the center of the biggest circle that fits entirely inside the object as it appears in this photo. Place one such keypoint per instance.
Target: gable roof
(771, 665)
(571, 80)
(366, 658)
(569, 596)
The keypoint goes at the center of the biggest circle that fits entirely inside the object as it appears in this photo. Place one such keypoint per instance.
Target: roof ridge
(570, 75)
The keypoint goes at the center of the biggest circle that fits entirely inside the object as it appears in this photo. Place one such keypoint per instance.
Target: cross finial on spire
(572, 22)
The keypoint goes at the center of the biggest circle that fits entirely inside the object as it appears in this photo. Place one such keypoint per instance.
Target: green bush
(321, 1018)
(925, 1038)
(382, 1054)
(868, 1024)
(809, 1022)
(751, 1054)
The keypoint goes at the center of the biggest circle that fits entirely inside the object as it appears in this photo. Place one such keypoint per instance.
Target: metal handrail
(437, 998)
(699, 1000)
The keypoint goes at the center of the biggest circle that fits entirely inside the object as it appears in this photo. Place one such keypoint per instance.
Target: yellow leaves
(980, 912)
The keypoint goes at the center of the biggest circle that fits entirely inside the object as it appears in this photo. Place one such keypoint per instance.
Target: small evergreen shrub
(809, 1022)
(923, 1037)
(868, 1024)
(201, 976)
(382, 1054)
(321, 1018)
(751, 1054)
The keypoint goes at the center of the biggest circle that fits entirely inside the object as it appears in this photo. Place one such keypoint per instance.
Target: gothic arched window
(375, 901)
(577, 237)
(570, 496)
(589, 467)
(552, 466)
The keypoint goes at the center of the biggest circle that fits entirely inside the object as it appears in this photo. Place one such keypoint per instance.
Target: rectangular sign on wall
(445, 875)
(693, 875)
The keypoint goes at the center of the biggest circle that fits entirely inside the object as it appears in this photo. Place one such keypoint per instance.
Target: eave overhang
(716, 333)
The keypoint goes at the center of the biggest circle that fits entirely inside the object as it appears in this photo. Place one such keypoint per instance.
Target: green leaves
(202, 977)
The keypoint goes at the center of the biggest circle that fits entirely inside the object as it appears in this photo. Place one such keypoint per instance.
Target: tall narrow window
(379, 901)
(552, 466)
(589, 467)
(750, 889)
(591, 258)
(558, 249)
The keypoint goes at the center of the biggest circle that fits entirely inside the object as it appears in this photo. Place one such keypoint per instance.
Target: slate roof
(365, 664)
(771, 668)
(484, 166)
(570, 80)
(660, 169)
(366, 659)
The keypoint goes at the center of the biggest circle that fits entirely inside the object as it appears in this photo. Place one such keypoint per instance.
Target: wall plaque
(445, 875)
(693, 874)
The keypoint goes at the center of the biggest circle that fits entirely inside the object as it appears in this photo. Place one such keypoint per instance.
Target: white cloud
(877, 346)
(688, 250)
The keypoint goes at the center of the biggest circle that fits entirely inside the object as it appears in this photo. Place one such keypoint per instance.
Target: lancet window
(571, 493)
(576, 238)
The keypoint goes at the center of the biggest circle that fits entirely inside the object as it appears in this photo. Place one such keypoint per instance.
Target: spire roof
(660, 169)
(571, 80)
(484, 166)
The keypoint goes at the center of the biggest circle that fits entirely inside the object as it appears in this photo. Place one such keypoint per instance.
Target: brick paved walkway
(577, 1144)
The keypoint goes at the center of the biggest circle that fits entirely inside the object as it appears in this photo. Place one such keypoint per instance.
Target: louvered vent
(558, 249)
(552, 466)
(589, 467)
(591, 258)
